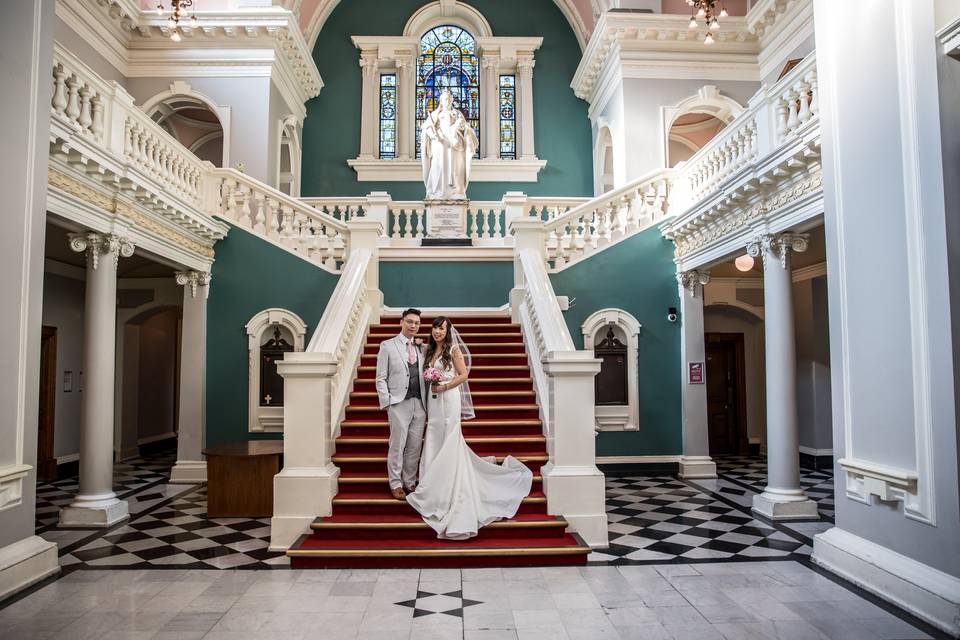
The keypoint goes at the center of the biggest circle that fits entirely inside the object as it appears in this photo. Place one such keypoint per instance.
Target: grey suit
(407, 415)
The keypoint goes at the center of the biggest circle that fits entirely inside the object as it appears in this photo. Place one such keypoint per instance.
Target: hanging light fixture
(743, 263)
(706, 9)
(178, 12)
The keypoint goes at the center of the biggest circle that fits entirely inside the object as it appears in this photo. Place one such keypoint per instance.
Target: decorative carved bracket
(778, 244)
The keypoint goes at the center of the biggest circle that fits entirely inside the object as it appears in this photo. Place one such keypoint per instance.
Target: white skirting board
(25, 562)
(926, 592)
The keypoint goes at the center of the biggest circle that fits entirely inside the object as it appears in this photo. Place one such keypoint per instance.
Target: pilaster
(696, 461)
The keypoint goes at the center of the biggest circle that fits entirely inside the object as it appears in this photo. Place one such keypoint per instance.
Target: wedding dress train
(459, 491)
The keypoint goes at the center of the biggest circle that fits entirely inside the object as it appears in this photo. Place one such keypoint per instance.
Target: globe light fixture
(706, 9)
(743, 263)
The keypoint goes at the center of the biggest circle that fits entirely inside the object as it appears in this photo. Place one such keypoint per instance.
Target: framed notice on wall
(695, 373)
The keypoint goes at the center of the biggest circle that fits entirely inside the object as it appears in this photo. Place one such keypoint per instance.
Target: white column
(96, 505)
(696, 462)
(782, 499)
(525, 108)
(490, 90)
(406, 86)
(369, 106)
(190, 466)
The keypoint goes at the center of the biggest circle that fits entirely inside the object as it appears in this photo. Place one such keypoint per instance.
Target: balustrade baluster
(417, 224)
(85, 118)
(73, 100)
(497, 227)
(563, 249)
(811, 79)
(792, 121)
(286, 225)
(273, 224)
(59, 100)
(244, 217)
(802, 89)
(782, 111)
(331, 260)
(97, 127)
(260, 219)
(406, 224)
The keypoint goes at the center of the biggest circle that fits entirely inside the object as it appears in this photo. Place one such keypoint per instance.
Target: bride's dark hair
(445, 358)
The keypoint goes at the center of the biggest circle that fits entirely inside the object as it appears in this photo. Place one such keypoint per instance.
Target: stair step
(373, 479)
(473, 381)
(473, 440)
(468, 336)
(473, 423)
(387, 499)
(475, 394)
(461, 326)
(478, 407)
(484, 320)
(357, 458)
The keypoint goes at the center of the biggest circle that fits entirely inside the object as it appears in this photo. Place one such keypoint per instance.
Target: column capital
(403, 61)
(693, 278)
(526, 63)
(490, 61)
(193, 279)
(369, 64)
(778, 244)
(99, 244)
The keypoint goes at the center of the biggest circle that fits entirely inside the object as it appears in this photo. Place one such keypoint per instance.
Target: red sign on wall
(695, 375)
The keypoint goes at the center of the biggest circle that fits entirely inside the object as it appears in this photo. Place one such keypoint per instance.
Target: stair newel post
(305, 487)
(573, 483)
(364, 235)
(514, 206)
(378, 208)
(528, 233)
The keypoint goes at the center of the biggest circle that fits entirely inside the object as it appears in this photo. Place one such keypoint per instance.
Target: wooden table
(240, 478)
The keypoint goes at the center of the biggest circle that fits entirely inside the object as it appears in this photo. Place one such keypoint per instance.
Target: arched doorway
(288, 167)
(689, 133)
(603, 162)
(194, 124)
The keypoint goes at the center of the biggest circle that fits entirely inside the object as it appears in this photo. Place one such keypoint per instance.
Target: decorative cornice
(140, 220)
(692, 279)
(193, 279)
(778, 245)
(99, 244)
(644, 38)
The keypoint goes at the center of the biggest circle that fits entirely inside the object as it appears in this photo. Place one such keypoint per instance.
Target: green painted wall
(331, 132)
(250, 275)
(446, 284)
(638, 276)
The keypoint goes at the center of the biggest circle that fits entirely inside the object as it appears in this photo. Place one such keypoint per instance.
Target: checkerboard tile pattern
(662, 519)
(752, 470)
(427, 603)
(129, 477)
(179, 535)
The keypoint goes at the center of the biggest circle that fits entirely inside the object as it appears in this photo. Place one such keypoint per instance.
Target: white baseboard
(927, 593)
(25, 562)
(70, 457)
(637, 459)
(157, 438)
(189, 472)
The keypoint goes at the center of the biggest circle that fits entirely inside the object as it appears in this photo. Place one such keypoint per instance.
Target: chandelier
(178, 12)
(707, 9)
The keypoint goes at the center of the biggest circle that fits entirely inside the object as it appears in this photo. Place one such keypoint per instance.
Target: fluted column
(368, 106)
(696, 461)
(525, 108)
(96, 505)
(782, 499)
(491, 106)
(190, 466)
(406, 81)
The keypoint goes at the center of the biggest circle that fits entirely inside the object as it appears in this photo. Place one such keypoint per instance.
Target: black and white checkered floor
(652, 520)
(129, 478)
(752, 471)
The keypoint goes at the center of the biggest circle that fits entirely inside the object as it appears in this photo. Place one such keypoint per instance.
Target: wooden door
(726, 391)
(46, 462)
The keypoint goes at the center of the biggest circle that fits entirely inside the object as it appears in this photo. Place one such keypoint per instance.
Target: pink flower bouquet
(433, 376)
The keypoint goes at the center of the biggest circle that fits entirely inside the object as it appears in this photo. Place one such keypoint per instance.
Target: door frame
(46, 417)
(716, 337)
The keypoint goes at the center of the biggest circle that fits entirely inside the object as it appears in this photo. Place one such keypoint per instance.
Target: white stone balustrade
(343, 209)
(285, 220)
(796, 99)
(608, 218)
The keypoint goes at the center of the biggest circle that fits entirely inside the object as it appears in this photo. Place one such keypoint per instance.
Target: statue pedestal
(446, 218)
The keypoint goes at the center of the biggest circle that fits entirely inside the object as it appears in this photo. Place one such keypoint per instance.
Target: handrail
(288, 221)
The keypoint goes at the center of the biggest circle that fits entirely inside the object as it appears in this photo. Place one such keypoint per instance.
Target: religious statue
(447, 146)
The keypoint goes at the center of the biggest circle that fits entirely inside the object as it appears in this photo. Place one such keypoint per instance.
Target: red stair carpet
(369, 528)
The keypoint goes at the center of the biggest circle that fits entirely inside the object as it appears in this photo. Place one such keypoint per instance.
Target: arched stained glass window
(448, 60)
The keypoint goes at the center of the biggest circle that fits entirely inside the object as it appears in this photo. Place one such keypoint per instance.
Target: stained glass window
(508, 117)
(448, 60)
(388, 116)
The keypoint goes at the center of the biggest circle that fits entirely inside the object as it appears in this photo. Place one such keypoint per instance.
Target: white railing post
(515, 207)
(365, 236)
(766, 138)
(528, 233)
(116, 132)
(378, 208)
(574, 485)
(305, 487)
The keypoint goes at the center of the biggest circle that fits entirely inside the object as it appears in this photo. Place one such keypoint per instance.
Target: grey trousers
(407, 420)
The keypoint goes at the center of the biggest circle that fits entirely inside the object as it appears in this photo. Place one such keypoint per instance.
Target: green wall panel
(446, 284)
(638, 276)
(250, 275)
(331, 132)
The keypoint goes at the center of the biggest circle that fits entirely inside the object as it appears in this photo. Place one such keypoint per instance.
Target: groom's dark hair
(410, 312)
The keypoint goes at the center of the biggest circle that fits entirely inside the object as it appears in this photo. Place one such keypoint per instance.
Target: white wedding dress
(459, 491)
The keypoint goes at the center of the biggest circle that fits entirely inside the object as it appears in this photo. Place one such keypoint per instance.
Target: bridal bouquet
(432, 375)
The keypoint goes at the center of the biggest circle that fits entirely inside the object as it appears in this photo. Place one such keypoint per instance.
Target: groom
(401, 391)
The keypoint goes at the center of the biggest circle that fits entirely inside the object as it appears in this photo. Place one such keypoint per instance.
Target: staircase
(369, 528)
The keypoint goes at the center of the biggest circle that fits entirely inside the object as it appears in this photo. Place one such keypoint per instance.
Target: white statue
(447, 146)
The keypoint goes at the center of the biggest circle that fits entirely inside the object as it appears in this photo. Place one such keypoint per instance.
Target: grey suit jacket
(393, 373)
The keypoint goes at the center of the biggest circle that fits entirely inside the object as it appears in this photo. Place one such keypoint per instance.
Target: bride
(459, 492)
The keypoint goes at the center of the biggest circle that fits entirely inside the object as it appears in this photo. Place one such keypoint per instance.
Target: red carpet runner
(369, 528)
